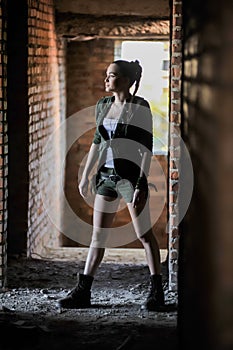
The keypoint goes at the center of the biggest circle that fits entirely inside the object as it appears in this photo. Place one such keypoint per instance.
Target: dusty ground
(30, 317)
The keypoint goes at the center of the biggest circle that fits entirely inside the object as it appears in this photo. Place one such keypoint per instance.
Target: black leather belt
(112, 177)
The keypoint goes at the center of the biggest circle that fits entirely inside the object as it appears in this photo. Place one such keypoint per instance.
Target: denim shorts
(111, 185)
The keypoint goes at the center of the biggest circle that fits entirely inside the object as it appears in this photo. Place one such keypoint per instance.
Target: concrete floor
(112, 255)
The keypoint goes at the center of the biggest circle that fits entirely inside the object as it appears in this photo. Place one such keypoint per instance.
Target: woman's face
(115, 81)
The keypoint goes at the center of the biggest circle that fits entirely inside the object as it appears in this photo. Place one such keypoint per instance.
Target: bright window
(154, 59)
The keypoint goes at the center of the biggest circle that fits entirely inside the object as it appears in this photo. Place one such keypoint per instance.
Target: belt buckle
(114, 178)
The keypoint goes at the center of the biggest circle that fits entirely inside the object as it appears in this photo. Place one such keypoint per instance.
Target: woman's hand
(83, 187)
(139, 197)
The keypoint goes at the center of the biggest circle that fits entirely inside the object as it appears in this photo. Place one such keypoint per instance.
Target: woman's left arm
(146, 142)
(139, 192)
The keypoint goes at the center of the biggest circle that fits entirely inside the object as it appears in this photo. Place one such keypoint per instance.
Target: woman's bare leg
(104, 212)
(143, 229)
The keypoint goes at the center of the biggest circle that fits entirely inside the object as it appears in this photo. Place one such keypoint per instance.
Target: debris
(6, 309)
(29, 306)
(125, 343)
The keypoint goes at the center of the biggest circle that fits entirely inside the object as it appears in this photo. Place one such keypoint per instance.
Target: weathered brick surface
(111, 27)
(151, 8)
(46, 99)
(86, 67)
(174, 146)
(3, 144)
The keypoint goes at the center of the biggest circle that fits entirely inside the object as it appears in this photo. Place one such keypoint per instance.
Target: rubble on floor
(29, 314)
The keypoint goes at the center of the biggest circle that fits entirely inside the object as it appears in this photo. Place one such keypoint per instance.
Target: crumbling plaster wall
(147, 8)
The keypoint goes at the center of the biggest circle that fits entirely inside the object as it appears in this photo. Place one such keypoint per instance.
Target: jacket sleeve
(145, 135)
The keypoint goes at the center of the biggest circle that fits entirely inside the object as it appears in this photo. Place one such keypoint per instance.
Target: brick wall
(3, 145)
(174, 137)
(205, 282)
(47, 107)
(86, 66)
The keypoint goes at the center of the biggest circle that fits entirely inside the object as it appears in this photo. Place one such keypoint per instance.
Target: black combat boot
(80, 296)
(155, 299)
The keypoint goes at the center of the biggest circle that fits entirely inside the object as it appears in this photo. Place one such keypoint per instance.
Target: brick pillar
(17, 112)
(174, 147)
(3, 146)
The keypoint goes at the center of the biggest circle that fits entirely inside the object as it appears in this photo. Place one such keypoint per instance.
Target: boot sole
(160, 308)
(74, 306)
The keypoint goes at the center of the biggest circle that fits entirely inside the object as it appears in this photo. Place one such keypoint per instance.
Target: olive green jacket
(132, 137)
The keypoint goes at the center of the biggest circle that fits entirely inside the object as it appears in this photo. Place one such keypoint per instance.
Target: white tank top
(110, 126)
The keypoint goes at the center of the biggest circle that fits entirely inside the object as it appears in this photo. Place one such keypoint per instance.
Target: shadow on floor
(30, 318)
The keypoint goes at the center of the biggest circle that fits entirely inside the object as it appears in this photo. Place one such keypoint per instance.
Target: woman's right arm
(91, 160)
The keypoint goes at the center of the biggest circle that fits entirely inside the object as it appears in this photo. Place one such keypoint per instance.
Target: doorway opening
(154, 87)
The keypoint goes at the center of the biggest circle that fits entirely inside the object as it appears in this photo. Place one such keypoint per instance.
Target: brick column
(3, 145)
(17, 116)
(174, 147)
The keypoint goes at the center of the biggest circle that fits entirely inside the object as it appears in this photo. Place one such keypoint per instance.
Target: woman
(123, 145)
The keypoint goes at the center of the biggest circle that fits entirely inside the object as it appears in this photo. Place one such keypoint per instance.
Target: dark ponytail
(132, 70)
(138, 74)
